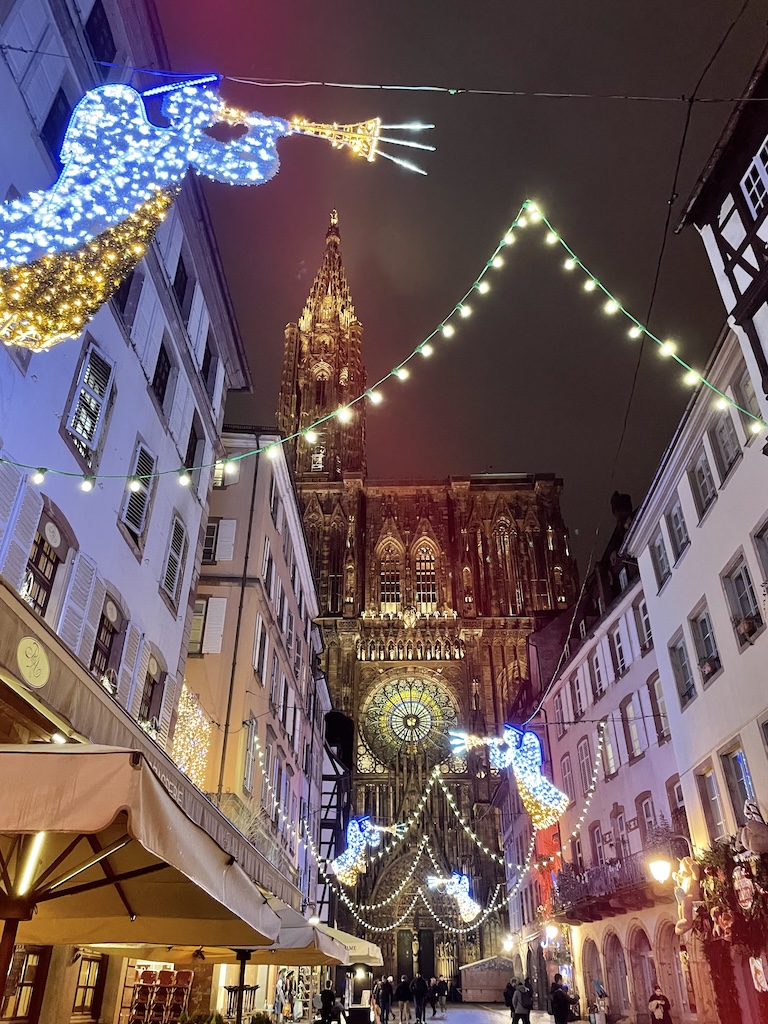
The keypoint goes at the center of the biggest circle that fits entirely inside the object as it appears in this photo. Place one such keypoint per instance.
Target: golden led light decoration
(65, 250)
(191, 738)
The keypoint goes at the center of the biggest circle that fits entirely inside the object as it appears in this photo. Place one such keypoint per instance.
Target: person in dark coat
(327, 1001)
(442, 992)
(522, 1003)
(403, 999)
(561, 1001)
(509, 993)
(433, 995)
(386, 995)
(659, 1007)
(420, 990)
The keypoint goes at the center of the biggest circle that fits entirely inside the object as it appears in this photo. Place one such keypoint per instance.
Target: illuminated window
(644, 625)
(566, 773)
(389, 576)
(585, 765)
(318, 458)
(659, 706)
(40, 574)
(629, 716)
(24, 967)
(609, 754)
(88, 413)
(754, 184)
(739, 780)
(710, 802)
(88, 988)
(426, 580)
(198, 626)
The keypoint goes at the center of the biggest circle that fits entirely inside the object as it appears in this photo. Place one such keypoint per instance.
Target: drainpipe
(243, 583)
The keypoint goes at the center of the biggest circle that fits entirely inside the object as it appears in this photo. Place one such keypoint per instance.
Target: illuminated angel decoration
(361, 834)
(64, 250)
(521, 750)
(458, 887)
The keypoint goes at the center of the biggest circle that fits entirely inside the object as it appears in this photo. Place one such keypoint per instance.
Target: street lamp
(551, 931)
(507, 944)
(661, 867)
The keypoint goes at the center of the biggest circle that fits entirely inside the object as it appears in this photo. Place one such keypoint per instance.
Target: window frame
(567, 777)
(758, 169)
(688, 694)
(661, 565)
(175, 560)
(88, 445)
(585, 764)
(703, 502)
(752, 620)
(726, 446)
(704, 639)
(677, 528)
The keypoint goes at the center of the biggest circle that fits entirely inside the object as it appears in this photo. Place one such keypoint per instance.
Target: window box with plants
(709, 666)
(746, 627)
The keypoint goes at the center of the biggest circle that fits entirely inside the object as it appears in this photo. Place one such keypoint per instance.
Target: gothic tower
(428, 590)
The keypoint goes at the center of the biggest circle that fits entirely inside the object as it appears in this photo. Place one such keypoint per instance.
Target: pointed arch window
(508, 590)
(389, 580)
(321, 389)
(426, 580)
(315, 546)
(335, 570)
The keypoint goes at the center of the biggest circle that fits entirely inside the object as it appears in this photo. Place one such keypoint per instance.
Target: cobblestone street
(484, 1013)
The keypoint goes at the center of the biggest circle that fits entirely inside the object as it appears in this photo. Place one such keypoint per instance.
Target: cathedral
(428, 590)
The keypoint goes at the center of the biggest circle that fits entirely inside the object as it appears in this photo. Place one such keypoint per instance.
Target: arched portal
(673, 970)
(616, 975)
(591, 971)
(644, 976)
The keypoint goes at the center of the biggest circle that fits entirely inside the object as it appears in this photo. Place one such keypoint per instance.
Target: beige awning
(360, 951)
(93, 849)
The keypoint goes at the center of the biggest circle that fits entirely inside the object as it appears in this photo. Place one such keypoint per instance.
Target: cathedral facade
(428, 590)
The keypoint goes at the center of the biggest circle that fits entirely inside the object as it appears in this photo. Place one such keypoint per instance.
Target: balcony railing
(604, 890)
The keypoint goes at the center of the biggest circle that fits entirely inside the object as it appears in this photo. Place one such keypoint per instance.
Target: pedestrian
(442, 993)
(327, 1001)
(522, 1002)
(433, 995)
(420, 990)
(279, 1003)
(561, 1001)
(403, 999)
(386, 994)
(509, 993)
(659, 1006)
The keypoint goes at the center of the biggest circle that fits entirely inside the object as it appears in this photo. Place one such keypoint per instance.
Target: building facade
(428, 590)
(137, 397)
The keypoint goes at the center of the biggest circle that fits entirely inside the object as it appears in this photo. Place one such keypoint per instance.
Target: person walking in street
(433, 995)
(420, 990)
(509, 995)
(403, 999)
(327, 1001)
(659, 1007)
(386, 994)
(522, 1003)
(561, 1001)
(442, 993)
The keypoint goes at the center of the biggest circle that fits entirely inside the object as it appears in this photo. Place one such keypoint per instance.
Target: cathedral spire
(330, 299)
(323, 370)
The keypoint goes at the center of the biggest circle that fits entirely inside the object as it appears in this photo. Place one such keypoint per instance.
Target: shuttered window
(88, 412)
(174, 562)
(136, 503)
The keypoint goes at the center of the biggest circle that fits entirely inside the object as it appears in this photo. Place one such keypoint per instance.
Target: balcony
(619, 887)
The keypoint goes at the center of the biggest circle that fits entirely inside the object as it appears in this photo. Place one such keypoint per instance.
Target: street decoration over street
(520, 750)
(65, 250)
(361, 833)
(458, 887)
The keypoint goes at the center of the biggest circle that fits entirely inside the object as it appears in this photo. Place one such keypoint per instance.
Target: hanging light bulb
(134, 485)
(184, 478)
(570, 263)
(230, 467)
(375, 397)
(667, 348)
(551, 237)
(509, 238)
(497, 262)
(691, 378)
(344, 414)
(635, 332)
(86, 484)
(402, 372)
(465, 310)
(38, 476)
(611, 307)
(426, 349)
(272, 451)
(448, 330)
(310, 436)
(483, 287)
(589, 285)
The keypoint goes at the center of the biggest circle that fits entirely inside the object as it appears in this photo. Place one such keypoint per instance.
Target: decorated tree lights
(64, 250)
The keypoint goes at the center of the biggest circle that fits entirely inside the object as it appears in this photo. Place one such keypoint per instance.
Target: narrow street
(485, 1013)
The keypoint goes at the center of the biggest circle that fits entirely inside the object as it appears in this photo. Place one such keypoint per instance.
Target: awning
(298, 944)
(95, 825)
(360, 951)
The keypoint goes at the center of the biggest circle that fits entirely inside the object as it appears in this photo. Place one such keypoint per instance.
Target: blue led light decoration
(457, 886)
(361, 833)
(520, 750)
(64, 250)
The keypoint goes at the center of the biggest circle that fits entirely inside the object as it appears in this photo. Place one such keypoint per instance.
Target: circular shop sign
(32, 660)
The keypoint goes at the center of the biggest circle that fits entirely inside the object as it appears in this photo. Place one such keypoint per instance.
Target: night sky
(538, 379)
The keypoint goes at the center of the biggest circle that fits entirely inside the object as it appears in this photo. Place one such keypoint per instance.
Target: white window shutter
(178, 424)
(92, 619)
(82, 579)
(174, 563)
(94, 384)
(10, 485)
(142, 328)
(196, 309)
(136, 503)
(20, 539)
(167, 710)
(130, 656)
(140, 680)
(225, 540)
(214, 625)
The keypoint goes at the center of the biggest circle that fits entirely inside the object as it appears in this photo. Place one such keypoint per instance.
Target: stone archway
(591, 972)
(644, 975)
(616, 975)
(673, 971)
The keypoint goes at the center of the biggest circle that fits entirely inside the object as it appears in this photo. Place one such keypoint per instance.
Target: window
(577, 701)
(274, 502)
(390, 580)
(125, 297)
(260, 650)
(648, 814)
(725, 442)
(174, 561)
(566, 773)
(741, 599)
(681, 667)
(91, 401)
(25, 963)
(744, 392)
(644, 625)
(318, 458)
(193, 457)
(702, 484)
(40, 574)
(629, 718)
(321, 387)
(761, 543)
(710, 802)
(585, 765)
(583, 629)
(198, 626)
(596, 841)
(265, 776)
(623, 578)
(678, 531)
(559, 717)
(609, 754)
(101, 659)
(659, 708)
(618, 651)
(55, 125)
(152, 694)
(273, 681)
(660, 560)
(100, 38)
(226, 473)
(289, 632)
(162, 375)
(620, 835)
(208, 368)
(596, 674)
(135, 510)
(739, 781)
(577, 858)
(267, 568)
(426, 580)
(754, 184)
(88, 988)
(706, 647)
(251, 739)
(336, 548)
(181, 287)
(209, 544)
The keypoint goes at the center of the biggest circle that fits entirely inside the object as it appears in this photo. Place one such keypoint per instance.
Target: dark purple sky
(538, 379)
